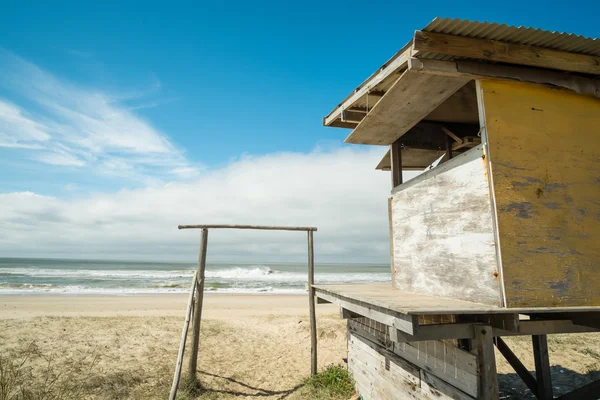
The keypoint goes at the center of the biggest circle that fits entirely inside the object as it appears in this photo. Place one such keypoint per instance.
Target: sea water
(46, 276)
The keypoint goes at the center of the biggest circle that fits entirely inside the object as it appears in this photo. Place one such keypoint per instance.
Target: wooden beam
(396, 163)
(493, 50)
(388, 70)
(406, 323)
(591, 391)
(347, 314)
(407, 102)
(480, 70)
(517, 365)
(544, 327)
(542, 367)
(486, 361)
(352, 116)
(321, 301)
(198, 306)
(258, 227)
(311, 305)
(434, 332)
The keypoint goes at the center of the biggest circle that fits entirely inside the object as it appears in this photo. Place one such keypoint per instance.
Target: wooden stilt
(186, 325)
(198, 306)
(311, 305)
(542, 367)
(486, 360)
(396, 160)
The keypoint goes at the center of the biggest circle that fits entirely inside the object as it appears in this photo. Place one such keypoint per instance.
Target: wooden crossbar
(258, 227)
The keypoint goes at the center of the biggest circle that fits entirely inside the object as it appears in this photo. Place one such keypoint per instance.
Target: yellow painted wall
(544, 148)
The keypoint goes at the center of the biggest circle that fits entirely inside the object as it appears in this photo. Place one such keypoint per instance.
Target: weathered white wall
(442, 232)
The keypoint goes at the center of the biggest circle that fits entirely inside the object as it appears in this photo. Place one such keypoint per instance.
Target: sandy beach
(124, 347)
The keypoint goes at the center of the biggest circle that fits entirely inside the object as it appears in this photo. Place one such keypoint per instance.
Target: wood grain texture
(381, 374)
(545, 160)
(411, 99)
(443, 235)
(510, 53)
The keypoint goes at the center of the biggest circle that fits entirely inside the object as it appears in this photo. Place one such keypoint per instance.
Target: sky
(121, 120)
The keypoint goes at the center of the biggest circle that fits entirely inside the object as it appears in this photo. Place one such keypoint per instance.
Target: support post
(448, 146)
(184, 332)
(311, 305)
(396, 163)
(198, 305)
(542, 367)
(486, 363)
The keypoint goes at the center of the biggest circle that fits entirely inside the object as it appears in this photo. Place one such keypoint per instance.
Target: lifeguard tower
(501, 236)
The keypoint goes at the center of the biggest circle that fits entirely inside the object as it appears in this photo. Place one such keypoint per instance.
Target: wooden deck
(386, 298)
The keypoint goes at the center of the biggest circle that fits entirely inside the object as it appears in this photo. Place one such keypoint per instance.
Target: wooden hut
(501, 236)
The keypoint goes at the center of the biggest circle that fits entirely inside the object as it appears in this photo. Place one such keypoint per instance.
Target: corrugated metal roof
(516, 34)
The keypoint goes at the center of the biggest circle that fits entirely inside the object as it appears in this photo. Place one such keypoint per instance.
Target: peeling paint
(524, 209)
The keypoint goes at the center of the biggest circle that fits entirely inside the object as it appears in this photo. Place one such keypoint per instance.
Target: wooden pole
(311, 305)
(396, 162)
(486, 363)
(186, 325)
(198, 306)
(542, 367)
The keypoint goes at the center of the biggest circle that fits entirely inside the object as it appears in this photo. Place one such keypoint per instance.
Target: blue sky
(106, 98)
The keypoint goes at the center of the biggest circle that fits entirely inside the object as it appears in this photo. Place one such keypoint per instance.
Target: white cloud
(19, 130)
(336, 190)
(82, 127)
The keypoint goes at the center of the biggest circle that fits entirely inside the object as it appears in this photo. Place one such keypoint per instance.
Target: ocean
(64, 276)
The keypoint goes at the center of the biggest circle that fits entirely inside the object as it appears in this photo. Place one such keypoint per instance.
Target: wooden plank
(436, 388)
(437, 354)
(444, 243)
(382, 296)
(311, 305)
(411, 99)
(380, 374)
(257, 227)
(488, 377)
(387, 71)
(517, 365)
(452, 373)
(200, 274)
(527, 328)
(434, 332)
(590, 391)
(544, 152)
(479, 70)
(542, 367)
(405, 323)
(493, 50)
(396, 163)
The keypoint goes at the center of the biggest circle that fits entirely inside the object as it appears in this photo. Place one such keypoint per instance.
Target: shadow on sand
(563, 381)
(246, 390)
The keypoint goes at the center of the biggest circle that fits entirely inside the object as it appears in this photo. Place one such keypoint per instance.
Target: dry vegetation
(133, 358)
(264, 357)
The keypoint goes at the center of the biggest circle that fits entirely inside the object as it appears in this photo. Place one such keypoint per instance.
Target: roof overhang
(423, 81)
